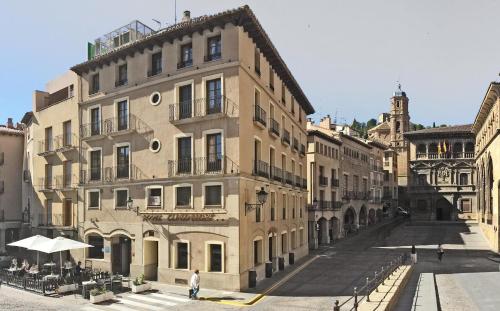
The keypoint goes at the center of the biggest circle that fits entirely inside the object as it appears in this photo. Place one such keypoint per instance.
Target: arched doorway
(362, 216)
(349, 220)
(372, 218)
(121, 254)
(443, 209)
(323, 231)
(334, 228)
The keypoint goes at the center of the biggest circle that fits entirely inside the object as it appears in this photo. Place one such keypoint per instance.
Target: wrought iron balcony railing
(259, 115)
(298, 181)
(212, 56)
(60, 143)
(155, 71)
(261, 168)
(323, 180)
(114, 126)
(112, 174)
(276, 173)
(202, 107)
(55, 219)
(121, 82)
(274, 127)
(334, 182)
(46, 184)
(66, 182)
(211, 165)
(185, 63)
(295, 144)
(285, 137)
(289, 178)
(302, 150)
(325, 206)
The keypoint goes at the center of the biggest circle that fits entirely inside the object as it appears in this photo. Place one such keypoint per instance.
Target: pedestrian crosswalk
(134, 302)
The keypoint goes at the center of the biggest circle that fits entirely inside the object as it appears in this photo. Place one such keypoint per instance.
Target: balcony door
(122, 115)
(184, 155)
(67, 134)
(95, 121)
(122, 162)
(185, 101)
(214, 96)
(67, 213)
(214, 152)
(95, 165)
(48, 139)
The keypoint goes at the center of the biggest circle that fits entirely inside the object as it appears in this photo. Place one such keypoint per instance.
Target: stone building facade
(180, 131)
(486, 129)
(443, 175)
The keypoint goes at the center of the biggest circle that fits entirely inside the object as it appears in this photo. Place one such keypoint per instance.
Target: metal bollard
(355, 299)
(382, 274)
(336, 306)
(367, 289)
(376, 288)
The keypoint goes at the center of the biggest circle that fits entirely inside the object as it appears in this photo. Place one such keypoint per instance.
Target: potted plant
(67, 285)
(139, 285)
(100, 294)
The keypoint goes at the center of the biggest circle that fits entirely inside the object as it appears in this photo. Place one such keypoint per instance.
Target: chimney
(187, 16)
(9, 123)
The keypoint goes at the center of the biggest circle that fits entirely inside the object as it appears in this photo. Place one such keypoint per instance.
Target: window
(182, 255)
(186, 56)
(256, 56)
(214, 96)
(122, 113)
(155, 98)
(155, 64)
(214, 152)
(464, 179)
(283, 97)
(293, 106)
(258, 211)
(49, 146)
(183, 196)
(95, 165)
(154, 197)
(122, 75)
(283, 215)
(293, 240)
(271, 78)
(257, 252)
(121, 198)
(67, 174)
(67, 139)
(215, 257)
(213, 195)
(122, 162)
(94, 84)
(94, 197)
(184, 155)
(185, 101)
(273, 206)
(95, 121)
(48, 176)
(213, 48)
(97, 251)
(465, 206)
(155, 145)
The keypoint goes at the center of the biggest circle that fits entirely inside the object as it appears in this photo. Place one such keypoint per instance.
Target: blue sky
(347, 55)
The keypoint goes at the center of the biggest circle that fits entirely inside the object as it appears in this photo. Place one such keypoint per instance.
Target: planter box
(141, 288)
(67, 288)
(102, 297)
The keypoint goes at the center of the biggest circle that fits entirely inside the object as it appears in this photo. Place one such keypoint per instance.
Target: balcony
(154, 72)
(259, 116)
(334, 182)
(112, 174)
(61, 143)
(302, 150)
(289, 178)
(46, 184)
(55, 220)
(277, 173)
(323, 181)
(261, 168)
(202, 108)
(212, 165)
(274, 127)
(285, 138)
(298, 181)
(326, 206)
(212, 57)
(355, 195)
(304, 183)
(113, 127)
(445, 155)
(66, 182)
(121, 82)
(185, 63)
(295, 144)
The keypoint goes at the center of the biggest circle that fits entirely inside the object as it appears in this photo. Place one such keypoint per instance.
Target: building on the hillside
(324, 197)
(486, 129)
(358, 209)
(443, 175)
(52, 158)
(193, 154)
(11, 168)
(390, 132)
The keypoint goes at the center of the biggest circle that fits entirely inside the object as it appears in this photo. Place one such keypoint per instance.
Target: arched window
(457, 150)
(464, 179)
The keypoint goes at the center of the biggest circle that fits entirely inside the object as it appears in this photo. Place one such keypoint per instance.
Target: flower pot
(67, 288)
(102, 297)
(141, 288)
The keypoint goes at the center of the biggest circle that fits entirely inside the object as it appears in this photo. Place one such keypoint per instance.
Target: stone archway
(362, 216)
(334, 228)
(323, 231)
(349, 220)
(372, 218)
(443, 209)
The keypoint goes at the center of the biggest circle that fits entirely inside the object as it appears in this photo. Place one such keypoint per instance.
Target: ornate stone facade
(442, 173)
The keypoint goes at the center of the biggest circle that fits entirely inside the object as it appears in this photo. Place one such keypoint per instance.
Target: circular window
(155, 98)
(155, 145)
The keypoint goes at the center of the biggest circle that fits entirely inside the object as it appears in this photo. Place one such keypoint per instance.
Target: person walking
(195, 284)
(440, 252)
(78, 273)
(413, 254)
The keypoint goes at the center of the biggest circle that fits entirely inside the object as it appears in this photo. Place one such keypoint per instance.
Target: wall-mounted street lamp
(130, 206)
(261, 197)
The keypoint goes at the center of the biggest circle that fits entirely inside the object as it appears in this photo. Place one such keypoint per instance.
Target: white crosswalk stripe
(134, 302)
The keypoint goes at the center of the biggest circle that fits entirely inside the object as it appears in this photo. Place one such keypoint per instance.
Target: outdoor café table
(86, 287)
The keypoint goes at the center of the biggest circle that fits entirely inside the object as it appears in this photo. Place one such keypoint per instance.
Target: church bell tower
(400, 124)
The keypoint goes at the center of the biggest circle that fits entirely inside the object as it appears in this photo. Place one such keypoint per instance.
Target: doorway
(67, 213)
(151, 260)
(121, 258)
(443, 209)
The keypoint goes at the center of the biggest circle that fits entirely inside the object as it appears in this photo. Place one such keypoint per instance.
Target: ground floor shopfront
(459, 204)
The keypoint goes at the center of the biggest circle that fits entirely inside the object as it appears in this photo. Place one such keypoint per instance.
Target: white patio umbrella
(30, 242)
(59, 244)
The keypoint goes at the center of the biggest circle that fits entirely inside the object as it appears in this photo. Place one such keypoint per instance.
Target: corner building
(180, 129)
